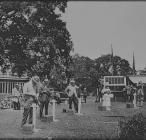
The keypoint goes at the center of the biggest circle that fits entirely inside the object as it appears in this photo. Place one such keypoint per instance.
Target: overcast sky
(95, 25)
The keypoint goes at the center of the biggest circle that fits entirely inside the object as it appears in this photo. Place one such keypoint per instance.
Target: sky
(95, 25)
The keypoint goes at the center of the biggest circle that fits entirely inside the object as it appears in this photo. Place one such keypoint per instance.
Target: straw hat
(72, 81)
(46, 80)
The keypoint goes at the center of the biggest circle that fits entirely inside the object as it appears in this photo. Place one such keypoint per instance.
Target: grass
(92, 124)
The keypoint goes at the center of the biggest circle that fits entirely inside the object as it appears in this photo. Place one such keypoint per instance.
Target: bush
(133, 128)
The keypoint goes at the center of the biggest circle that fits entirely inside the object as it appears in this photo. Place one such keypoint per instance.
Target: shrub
(133, 128)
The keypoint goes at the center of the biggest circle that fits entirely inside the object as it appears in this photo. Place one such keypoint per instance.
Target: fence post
(53, 110)
(35, 130)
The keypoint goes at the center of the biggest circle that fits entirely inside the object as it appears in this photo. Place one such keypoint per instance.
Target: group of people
(134, 94)
(35, 92)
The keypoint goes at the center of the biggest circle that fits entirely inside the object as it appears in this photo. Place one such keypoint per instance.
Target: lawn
(92, 124)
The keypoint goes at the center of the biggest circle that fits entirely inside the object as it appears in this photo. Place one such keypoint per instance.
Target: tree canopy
(88, 72)
(33, 38)
(120, 66)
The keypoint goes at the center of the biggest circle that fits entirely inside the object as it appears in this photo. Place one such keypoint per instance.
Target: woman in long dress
(107, 98)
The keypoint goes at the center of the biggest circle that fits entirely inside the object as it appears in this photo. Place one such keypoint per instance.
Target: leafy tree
(82, 69)
(33, 37)
(81, 66)
(120, 66)
(88, 72)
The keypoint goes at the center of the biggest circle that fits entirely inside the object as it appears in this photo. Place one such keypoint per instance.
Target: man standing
(128, 93)
(85, 94)
(30, 90)
(71, 90)
(100, 88)
(44, 97)
(140, 95)
(15, 97)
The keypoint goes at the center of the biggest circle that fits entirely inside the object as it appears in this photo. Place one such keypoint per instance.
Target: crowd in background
(45, 95)
(130, 93)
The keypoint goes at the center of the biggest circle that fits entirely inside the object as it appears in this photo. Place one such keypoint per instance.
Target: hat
(72, 81)
(16, 84)
(36, 79)
(46, 80)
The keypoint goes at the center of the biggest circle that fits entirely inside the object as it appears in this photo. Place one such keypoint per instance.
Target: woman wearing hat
(30, 90)
(107, 98)
(71, 90)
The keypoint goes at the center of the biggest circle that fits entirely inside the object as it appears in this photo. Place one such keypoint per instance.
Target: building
(7, 83)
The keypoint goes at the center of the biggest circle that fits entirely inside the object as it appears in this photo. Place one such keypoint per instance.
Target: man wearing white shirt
(15, 99)
(71, 90)
(31, 92)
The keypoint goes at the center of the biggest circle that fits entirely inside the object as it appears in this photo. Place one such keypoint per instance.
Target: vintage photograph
(72, 69)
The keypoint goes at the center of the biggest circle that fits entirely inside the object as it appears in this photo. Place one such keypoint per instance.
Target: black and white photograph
(72, 69)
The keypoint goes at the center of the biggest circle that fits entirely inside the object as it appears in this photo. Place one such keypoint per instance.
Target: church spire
(111, 68)
(133, 66)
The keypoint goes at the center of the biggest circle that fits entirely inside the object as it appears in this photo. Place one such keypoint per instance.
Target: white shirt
(71, 90)
(15, 92)
(29, 89)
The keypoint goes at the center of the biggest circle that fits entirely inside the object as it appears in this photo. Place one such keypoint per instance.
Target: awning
(129, 81)
(137, 79)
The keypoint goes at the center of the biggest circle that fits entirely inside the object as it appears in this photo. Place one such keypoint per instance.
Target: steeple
(111, 69)
(133, 66)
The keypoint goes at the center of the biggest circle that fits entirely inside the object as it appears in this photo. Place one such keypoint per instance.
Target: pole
(53, 111)
(79, 106)
(134, 100)
(35, 130)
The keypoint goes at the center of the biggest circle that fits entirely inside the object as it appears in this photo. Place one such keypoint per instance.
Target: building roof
(10, 77)
(138, 78)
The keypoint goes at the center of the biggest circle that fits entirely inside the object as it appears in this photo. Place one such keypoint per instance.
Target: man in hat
(15, 97)
(84, 94)
(30, 90)
(71, 91)
(44, 97)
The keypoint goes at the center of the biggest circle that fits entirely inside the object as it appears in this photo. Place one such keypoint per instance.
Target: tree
(82, 69)
(120, 66)
(33, 35)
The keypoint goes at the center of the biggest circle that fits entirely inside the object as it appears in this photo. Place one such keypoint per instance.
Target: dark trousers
(28, 112)
(85, 97)
(16, 105)
(42, 105)
(73, 100)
